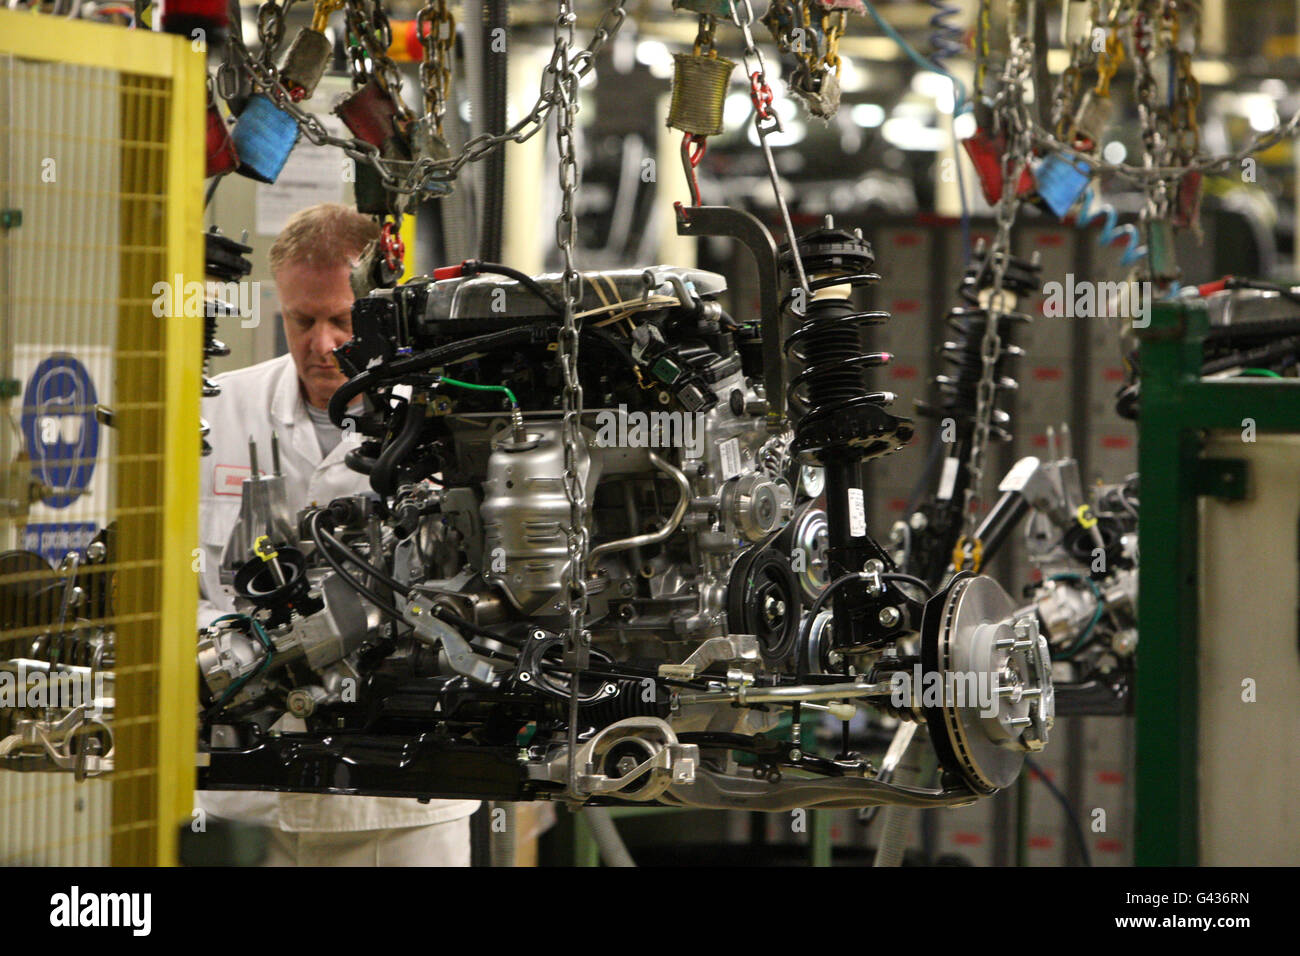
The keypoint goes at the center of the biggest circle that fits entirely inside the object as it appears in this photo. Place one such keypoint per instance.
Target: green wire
(1096, 617)
(1260, 372)
(265, 640)
(480, 388)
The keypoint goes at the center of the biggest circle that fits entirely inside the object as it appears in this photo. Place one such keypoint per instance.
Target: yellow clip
(1084, 515)
(645, 386)
(258, 547)
(320, 17)
(976, 555)
(1109, 63)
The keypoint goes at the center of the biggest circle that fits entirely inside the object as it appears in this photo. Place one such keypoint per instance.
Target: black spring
(961, 354)
(958, 384)
(829, 346)
(212, 347)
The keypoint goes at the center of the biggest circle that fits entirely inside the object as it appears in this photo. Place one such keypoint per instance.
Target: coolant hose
(383, 475)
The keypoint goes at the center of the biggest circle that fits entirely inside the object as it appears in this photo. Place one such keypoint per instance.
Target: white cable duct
(612, 848)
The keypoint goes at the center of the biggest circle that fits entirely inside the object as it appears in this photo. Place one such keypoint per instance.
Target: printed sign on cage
(68, 450)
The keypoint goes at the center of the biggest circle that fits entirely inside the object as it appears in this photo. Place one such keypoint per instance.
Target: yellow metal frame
(168, 771)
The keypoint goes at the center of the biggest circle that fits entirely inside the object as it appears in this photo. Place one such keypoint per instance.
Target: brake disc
(987, 689)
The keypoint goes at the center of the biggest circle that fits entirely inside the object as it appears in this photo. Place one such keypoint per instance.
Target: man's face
(317, 307)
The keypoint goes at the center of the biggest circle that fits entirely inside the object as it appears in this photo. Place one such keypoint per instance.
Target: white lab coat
(254, 402)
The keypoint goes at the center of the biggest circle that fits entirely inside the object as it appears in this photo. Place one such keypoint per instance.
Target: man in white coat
(311, 261)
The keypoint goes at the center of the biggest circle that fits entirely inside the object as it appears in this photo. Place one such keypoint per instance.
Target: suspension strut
(957, 389)
(840, 422)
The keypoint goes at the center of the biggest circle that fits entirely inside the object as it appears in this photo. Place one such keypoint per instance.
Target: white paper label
(857, 513)
(730, 452)
(948, 480)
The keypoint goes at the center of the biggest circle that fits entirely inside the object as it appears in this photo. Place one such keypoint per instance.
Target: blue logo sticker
(52, 541)
(59, 427)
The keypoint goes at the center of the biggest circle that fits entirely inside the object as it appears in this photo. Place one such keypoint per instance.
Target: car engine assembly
(418, 632)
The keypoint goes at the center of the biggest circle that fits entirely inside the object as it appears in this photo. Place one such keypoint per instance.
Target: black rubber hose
(359, 462)
(421, 362)
(495, 15)
(383, 479)
(314, 528)
(472, 267)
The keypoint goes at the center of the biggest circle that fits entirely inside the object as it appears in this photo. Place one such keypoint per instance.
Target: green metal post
(1166, 666)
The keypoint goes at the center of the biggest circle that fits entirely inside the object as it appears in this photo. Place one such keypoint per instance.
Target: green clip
(666, 370)
(11, 218)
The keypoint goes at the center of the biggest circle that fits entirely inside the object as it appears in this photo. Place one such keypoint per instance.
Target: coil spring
(829, 346)
(945, 37)
(958, 389)
(212, 346)
(958, 385)
(1091, 209)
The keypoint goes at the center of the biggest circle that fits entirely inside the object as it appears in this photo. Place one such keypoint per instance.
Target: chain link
(436, 28)
(1010, 109)
(766, 122)
(564, 70)
(427, 175)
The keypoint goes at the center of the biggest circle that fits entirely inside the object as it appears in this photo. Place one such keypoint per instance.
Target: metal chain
(436, 28)
(565, 86)
(1124, 14)
(705, 36)
(1009, 109)
(426, 174)
(1069, 90)
(766, 122)
(1154, 120)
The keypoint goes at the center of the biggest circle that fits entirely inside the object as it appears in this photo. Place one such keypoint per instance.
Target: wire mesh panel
(100, 193)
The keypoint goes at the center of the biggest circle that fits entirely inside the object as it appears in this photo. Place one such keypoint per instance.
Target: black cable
(321, 538)
(605, 338)
(383, 476)
(624, 675)
(472, 267)
(420, 362)
(313, 526)
(908, 579)
(381, 576)
(805, 630)
(1075, 825)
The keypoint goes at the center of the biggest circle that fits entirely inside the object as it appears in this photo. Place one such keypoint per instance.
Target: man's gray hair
(322, 236)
